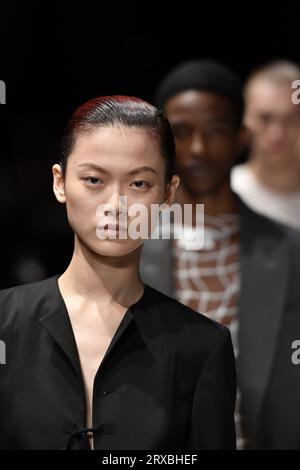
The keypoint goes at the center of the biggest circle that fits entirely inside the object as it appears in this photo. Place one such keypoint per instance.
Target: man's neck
(281, 179)
(102, 279)
(222, 201)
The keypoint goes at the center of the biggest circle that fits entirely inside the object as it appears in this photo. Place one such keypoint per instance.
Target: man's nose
(197, 145)
(277, 131)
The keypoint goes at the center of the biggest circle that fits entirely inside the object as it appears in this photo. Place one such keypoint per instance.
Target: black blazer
(269, 322)
(167, 380)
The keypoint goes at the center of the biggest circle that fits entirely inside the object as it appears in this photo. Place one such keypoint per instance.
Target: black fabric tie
(79, 439)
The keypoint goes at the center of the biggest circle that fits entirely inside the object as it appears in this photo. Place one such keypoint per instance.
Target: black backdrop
(54, 57)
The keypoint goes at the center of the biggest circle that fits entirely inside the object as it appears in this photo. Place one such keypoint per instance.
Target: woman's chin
(116, 247)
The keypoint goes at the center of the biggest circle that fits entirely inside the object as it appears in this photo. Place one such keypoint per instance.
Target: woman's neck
(103, 279)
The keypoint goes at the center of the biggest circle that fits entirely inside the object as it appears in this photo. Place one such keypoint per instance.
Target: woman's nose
(116, 204)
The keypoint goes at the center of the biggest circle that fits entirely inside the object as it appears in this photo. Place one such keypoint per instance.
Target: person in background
(246, 274)
(269, 182)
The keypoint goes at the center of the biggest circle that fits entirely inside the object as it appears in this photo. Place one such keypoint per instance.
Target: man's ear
(171, 190)
(58, 183)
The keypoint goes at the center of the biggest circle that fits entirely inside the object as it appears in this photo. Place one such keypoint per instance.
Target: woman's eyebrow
(93, 166)
(142, 168)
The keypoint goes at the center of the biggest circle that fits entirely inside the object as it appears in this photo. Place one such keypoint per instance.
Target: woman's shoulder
(193, 336)
(14, 298)
(182, 318)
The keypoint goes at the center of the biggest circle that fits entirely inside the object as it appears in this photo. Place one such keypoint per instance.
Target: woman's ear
(58, 183)
(171, 190)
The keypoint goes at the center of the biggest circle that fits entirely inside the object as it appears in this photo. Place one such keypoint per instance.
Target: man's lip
(198, 169)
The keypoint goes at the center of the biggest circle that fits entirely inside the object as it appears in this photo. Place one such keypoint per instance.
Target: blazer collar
(57, 322)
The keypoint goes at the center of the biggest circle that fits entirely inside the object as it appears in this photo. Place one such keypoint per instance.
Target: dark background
(55, 57)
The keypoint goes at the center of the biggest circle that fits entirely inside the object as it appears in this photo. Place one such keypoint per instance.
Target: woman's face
(105, 164)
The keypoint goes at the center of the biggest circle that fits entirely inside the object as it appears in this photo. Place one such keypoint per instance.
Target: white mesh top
(208, 280)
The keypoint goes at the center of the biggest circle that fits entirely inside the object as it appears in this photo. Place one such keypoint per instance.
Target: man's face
(206, 139)
(105, 164)
(273, 121)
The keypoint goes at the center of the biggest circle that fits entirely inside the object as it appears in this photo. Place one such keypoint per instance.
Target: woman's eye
(93, 181)
(140, 184)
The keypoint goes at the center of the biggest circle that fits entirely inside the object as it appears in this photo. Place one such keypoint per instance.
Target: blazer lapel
(57, 322)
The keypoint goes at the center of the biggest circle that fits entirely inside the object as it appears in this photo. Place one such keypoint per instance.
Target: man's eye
(180, 131)
(140, 184)
(217, 130)
(265, 119)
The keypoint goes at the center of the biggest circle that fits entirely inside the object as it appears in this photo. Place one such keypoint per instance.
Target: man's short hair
(203, 75)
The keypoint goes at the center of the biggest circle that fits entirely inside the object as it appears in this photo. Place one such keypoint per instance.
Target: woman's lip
(112, 228)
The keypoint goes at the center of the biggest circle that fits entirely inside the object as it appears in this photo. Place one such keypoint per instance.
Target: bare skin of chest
(93, 330)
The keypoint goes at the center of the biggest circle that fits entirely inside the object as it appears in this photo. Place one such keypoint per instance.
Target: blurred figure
(246, 275)
(270, 181)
